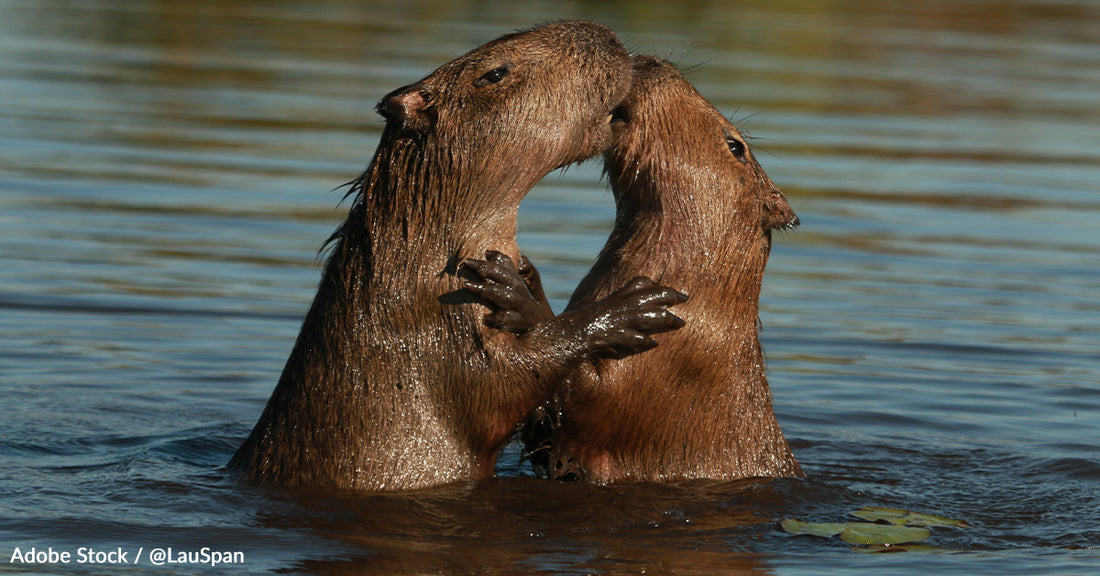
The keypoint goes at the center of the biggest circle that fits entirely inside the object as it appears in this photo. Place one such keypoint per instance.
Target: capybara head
(668, 135)
(545, 94)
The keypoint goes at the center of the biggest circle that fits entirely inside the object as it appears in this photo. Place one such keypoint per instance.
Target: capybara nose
(407, 106)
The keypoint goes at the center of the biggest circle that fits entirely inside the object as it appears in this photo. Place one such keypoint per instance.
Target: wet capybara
(394, 381)
(694, 210)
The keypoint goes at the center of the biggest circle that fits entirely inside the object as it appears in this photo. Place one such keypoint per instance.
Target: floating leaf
(825, 529)
(905, 517)
(867, 533)
(879, 514)
(917, 519)
(886, 530)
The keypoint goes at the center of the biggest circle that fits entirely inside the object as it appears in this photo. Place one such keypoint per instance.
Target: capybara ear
(777, 212)
(408, 108)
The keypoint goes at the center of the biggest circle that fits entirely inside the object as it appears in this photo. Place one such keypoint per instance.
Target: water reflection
(522, 525)
(168, 172)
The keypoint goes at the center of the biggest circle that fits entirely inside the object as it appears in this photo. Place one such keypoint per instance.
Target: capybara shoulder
(696, 210)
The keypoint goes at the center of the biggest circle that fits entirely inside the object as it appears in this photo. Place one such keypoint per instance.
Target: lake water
(169, 170)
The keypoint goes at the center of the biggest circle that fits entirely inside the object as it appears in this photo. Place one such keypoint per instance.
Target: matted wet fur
(394, 382)
(694, 210)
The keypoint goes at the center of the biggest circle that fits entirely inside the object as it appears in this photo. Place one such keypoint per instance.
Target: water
(168, 172)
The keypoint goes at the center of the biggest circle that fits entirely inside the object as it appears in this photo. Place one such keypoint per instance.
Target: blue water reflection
(169, 171)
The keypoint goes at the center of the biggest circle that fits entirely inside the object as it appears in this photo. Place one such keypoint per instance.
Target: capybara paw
(621, 324)
(503, 288)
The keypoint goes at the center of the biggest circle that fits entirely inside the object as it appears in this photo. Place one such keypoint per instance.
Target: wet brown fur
(693, 216)
(393, 382)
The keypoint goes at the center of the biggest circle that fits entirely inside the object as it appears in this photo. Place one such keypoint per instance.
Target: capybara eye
(493, 76)
(737, 147)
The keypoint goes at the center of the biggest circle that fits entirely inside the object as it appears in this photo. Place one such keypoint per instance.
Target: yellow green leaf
(823, 529)
(879, 514)
(867, 533)
(917, 519)
(905, 517)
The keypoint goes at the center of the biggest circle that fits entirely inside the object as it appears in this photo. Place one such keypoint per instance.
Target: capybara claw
(620, 324)
(503, 288)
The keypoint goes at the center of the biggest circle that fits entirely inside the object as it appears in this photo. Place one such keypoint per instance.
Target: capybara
(394, 381)
(693, 210)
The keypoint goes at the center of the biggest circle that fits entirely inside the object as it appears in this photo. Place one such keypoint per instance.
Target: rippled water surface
(169, 170)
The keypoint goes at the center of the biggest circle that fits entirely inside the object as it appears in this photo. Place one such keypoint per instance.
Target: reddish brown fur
(694, 216)
(394, 383)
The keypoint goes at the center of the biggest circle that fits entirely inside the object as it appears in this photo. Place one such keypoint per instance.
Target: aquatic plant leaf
(867, 533)
(906, 517)
(880, 514)
(823, 529)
